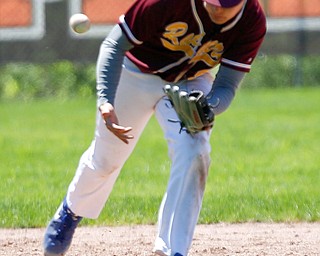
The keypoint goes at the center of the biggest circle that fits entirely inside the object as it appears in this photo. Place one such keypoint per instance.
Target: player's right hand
(111, 121)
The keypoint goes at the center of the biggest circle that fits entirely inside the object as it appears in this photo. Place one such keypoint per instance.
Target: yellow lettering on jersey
(186, 44)
(175, 39)
(210, 53)
(174, 31)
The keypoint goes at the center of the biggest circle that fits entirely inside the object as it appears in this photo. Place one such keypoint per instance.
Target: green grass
(265, 161)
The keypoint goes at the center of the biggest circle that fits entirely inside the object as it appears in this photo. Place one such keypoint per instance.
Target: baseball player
(157, 60)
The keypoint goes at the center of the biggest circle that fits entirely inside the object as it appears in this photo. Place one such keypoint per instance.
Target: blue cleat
(60, 231)
(178, 254)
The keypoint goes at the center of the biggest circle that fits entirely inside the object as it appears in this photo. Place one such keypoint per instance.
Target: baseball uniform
(157, 42)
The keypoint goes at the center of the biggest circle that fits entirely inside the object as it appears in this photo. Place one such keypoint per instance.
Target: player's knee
(104, 167)
(201, 162)
(201, 154)
(195, 158)
(106, 170)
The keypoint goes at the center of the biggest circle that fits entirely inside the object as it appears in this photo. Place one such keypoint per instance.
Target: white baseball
(80, 23)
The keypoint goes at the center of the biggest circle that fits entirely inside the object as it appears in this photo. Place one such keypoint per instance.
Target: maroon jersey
(176, 39)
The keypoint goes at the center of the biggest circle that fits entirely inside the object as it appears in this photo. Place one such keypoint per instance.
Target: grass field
(265, 161)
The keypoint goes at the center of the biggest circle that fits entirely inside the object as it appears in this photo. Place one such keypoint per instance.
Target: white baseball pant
(138, 97)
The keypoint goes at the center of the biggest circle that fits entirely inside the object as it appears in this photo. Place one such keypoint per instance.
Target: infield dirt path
(217, 239)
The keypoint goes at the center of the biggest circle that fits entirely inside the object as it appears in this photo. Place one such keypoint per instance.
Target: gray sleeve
(109, 64)
(224, 88)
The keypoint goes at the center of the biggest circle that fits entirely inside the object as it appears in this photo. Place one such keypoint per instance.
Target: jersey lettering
(175, 39)
(187, 44)
(210, 53)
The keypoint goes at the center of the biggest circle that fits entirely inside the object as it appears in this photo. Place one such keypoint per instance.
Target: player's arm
(243, 51)
(109, 65)
(224, 88)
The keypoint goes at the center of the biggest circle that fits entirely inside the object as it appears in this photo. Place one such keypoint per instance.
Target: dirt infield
(217, 239)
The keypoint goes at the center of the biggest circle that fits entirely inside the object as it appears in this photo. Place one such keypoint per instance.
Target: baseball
(80, 23)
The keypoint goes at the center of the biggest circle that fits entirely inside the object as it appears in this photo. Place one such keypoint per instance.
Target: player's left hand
(111, 121)
(193, 109)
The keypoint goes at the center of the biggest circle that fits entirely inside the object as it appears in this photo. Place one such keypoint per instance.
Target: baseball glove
(193, 109)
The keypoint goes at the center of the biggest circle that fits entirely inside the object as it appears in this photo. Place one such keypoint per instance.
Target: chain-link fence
(37, 30)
